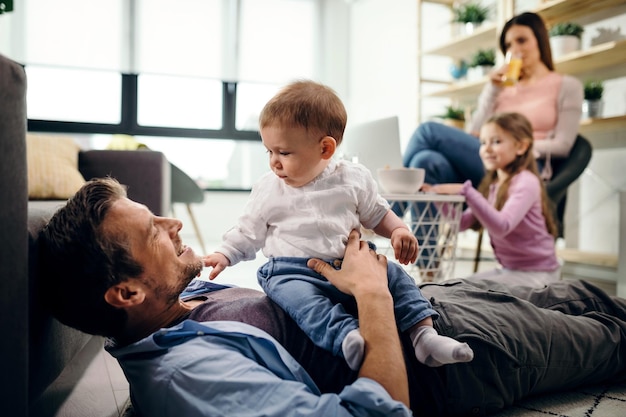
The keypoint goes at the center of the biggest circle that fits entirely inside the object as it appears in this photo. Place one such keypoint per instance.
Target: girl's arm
(467, 217)
(524, 191)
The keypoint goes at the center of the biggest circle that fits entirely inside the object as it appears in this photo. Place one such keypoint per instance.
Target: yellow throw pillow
(52, 167)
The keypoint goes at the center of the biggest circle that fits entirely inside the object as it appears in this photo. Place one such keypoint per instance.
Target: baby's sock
(353, 348)
(434, 350)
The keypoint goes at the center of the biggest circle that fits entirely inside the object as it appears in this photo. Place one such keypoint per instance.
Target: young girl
(511, 203)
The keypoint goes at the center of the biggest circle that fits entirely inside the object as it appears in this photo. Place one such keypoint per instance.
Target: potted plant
(6, 6)
(454, 116)
(565, 38)
(481, 63)
(469, 16)
(593, 104)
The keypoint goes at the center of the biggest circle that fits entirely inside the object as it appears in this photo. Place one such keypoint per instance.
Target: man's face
(156, 245)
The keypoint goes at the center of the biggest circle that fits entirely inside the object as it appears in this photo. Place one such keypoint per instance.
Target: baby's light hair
(307, 104)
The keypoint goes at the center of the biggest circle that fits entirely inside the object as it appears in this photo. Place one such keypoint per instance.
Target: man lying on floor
(115, 269)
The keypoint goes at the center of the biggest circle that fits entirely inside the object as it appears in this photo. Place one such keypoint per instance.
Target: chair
(565, 172)
(185, 190)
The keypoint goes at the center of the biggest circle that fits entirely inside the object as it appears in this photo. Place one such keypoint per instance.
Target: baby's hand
(404, 245)
(217, 261)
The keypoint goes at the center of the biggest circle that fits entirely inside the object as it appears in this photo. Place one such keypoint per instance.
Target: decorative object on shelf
(481, 63)
(454, 116)
(565, 38)
(606, 35)
(458, 70)
(593, 104)
(469, 16)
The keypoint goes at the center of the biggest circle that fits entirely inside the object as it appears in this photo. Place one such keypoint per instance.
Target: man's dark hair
(78, 262)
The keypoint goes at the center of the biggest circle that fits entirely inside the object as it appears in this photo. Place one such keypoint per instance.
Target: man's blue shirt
(226, 368)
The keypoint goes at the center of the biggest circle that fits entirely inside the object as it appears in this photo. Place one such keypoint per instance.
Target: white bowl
(401, 180)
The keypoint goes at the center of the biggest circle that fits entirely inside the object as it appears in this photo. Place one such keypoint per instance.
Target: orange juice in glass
(514, 62)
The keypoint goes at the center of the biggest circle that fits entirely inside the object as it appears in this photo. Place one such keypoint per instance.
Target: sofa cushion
(52, 163)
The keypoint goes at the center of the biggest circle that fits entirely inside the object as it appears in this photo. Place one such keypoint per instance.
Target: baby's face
(295, 155)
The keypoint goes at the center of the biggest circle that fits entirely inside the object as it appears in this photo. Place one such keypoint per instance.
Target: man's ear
(329, 146)
(125, 294)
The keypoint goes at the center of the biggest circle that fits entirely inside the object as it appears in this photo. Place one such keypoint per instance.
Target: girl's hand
(218, 262)
(451, 189)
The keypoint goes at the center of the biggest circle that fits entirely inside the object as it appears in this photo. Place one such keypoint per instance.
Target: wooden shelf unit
(585, 61)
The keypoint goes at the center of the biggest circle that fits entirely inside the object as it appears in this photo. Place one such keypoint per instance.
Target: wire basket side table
(434, 219)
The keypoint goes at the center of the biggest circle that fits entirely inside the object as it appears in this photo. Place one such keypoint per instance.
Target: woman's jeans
(321, 310)
(448, 155)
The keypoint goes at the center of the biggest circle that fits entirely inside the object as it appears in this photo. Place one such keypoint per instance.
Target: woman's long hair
(520, 128)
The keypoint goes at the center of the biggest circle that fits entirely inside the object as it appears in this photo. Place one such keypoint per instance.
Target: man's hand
(404, 245)
(217, 261)
(364, 275)
(362, 270)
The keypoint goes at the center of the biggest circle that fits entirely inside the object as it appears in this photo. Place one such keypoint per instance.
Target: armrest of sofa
(13, 240)
(146, 173)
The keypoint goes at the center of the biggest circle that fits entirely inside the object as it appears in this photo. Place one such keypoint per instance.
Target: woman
(552, 102)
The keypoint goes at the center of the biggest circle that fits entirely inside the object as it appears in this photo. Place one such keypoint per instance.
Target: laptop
(375, 144)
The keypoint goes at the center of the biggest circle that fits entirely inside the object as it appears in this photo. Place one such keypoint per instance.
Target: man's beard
(172, 294)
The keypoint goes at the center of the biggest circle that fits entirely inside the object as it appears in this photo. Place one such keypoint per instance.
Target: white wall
(383, 62)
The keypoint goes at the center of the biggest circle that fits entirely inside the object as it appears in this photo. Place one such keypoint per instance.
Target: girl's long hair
(520, 128)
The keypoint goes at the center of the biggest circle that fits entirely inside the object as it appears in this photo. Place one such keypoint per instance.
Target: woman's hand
(497, 75)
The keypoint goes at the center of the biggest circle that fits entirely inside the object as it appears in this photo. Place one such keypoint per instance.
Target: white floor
(103, 389)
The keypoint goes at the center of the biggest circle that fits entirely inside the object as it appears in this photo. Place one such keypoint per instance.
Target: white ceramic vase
(562, 45)
(592, 109)
(478, 73)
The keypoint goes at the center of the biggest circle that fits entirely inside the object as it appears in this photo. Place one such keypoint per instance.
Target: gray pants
(527, 341)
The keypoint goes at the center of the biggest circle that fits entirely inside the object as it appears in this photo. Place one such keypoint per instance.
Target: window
(73, 95)
(187, 77)
(187, 102)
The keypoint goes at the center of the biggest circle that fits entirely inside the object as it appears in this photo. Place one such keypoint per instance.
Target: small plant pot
(478, 73)
(592, 109)
(469, 28)
(563, 45)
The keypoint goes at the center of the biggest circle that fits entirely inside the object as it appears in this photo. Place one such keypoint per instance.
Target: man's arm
(364, 275)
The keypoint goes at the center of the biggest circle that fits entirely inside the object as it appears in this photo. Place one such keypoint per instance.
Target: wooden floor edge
(609, 260)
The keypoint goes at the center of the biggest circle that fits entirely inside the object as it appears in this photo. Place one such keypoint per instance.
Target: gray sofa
(35, 348)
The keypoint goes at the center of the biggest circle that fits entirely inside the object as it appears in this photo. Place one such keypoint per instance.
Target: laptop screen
(375, 144)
